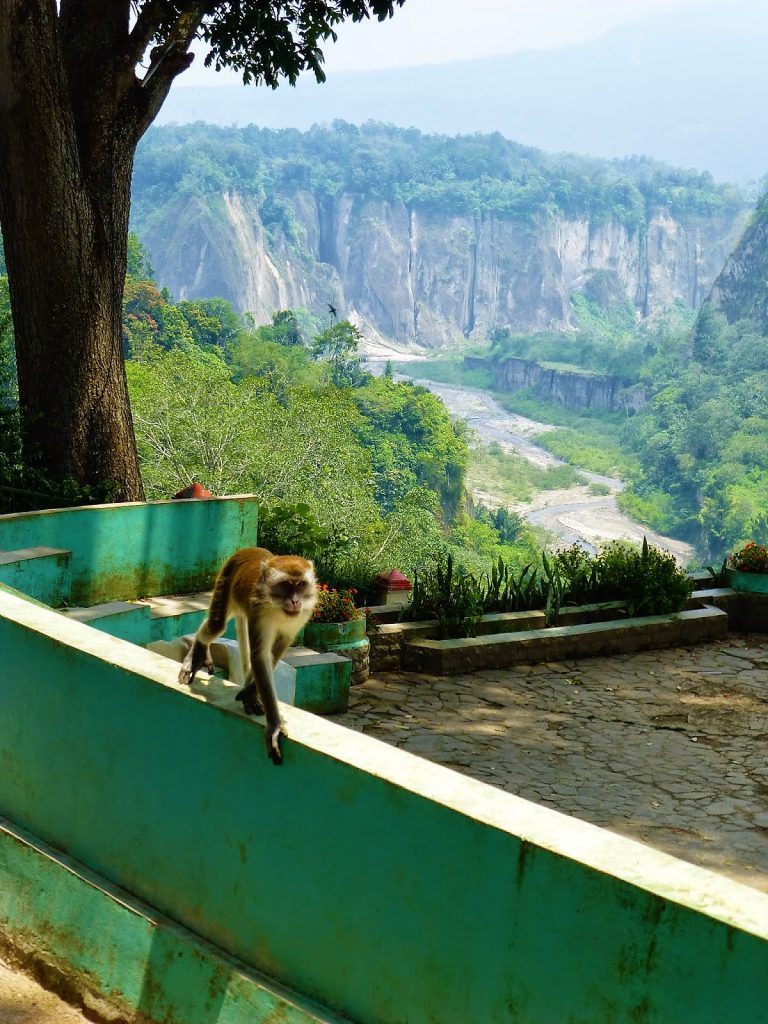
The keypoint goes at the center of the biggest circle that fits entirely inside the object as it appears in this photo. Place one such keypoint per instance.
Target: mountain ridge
(687, 89)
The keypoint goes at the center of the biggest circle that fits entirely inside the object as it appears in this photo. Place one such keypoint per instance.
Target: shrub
(751, 558)
(648, 579)
(502, 591)
(449, 595)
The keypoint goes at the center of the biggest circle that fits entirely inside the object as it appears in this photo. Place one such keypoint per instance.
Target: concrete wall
(146, 968)
(384, 887)
(139, 548)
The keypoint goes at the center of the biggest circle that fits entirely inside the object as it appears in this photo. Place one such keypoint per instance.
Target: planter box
(747, 582)
(448, 657)
(388, 639)
(346, 639)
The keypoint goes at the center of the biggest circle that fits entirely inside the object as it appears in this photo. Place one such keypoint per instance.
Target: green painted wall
(42, 576)
(385, 887)
(54, 907)
(132, 550)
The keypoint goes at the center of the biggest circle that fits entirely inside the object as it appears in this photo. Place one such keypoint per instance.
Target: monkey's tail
(219, 606)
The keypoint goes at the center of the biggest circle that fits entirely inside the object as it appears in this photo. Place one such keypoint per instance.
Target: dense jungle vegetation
(695, 455)
(358, 472)
(702, 440)
(374, 472)
(470, 173)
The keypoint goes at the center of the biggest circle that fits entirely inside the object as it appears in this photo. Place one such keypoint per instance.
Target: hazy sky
(435, 31)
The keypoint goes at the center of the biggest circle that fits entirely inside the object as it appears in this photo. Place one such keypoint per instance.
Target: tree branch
(168, 59)
(151, 17)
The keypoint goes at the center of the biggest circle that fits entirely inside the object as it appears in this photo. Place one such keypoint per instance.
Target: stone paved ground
(669, 747)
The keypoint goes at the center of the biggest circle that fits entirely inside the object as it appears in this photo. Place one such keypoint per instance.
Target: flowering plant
(335, 605)
(751, 558)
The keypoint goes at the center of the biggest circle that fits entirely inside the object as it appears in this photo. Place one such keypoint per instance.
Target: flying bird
(332, 310)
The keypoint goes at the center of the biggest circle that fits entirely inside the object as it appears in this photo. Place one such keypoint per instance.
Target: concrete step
(312, 680)
(39, 572)
(322, 680)
(128, 620)
(173, 616)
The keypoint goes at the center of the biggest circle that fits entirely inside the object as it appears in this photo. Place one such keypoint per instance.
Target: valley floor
(574, 514)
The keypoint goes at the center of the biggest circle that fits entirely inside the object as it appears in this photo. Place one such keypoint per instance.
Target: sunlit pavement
(668, 747)
(23, 1001)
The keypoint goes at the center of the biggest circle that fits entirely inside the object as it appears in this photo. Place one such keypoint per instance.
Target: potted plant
(747, 569)
(337, 625)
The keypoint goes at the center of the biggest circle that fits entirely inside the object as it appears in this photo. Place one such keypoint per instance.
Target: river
(573, 515)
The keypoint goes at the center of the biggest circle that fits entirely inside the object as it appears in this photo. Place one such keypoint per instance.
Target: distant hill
(687, 87)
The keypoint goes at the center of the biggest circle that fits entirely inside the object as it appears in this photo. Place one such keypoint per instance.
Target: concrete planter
(345, 638)
(746, 582)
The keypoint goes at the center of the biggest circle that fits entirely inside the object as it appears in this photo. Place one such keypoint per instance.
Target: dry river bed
(573, 514)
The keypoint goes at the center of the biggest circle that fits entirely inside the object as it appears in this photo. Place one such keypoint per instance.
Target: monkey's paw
(248, 697)
(198, 656)
(272, 740)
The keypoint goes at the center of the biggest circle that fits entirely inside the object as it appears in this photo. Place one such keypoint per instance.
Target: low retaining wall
(137, 548)
(388, 641)
(378, 884)
(594, 639)
(516, 638)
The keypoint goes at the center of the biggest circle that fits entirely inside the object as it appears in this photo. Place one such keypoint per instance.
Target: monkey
(271, 598)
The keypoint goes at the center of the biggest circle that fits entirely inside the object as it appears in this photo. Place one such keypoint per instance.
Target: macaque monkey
(271, 598)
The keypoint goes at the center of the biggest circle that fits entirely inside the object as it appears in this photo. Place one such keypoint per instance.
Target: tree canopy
(80, 83)
(464, 174)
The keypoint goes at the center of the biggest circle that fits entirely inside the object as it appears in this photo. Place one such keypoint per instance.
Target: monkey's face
(290, 583)
(291, 595)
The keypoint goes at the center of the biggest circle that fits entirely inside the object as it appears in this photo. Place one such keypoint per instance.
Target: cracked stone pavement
(668, 747)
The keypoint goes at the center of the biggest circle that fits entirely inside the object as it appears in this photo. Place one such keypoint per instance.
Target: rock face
(421, 275)
(563, 387)
(741, 289)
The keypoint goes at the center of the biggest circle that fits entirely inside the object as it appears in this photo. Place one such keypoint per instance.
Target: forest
(692, 440)
(285, 410)
(356, 471)
(464, 174)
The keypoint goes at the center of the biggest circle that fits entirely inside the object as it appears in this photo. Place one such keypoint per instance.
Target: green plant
(335, 605)
(599, 489)
(750, 558)
(553, 590)
(291, 528)
(649, 580)
(578, 572)
(502, 591)
(449, 595)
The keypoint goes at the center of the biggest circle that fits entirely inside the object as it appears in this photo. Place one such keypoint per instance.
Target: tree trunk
(64, 206)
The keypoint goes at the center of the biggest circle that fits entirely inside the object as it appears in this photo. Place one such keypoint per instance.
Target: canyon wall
(425, 276)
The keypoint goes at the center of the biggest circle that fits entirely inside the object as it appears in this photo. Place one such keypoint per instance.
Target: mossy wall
(385, 887)
(137, 549)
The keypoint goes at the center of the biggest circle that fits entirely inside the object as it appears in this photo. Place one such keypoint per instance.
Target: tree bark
(64, 206)
(77, 91)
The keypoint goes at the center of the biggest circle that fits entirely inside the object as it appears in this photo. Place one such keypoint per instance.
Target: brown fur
(271, 597)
